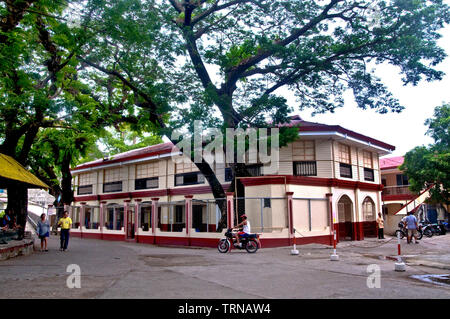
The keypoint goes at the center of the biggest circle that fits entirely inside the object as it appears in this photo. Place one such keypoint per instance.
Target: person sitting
(245, 224)
(6, 222)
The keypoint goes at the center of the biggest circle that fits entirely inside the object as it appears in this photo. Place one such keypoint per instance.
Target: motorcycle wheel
(427, 232)
(224, 246)
(402, 234)
(252, 246)
(419, 235)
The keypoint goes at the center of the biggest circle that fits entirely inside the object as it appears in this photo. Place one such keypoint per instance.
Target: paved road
(128, 270)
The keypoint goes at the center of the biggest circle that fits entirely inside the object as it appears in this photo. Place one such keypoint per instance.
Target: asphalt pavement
(128, 270)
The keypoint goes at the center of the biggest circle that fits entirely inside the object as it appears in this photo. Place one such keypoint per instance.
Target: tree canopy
(429, 166)
(223, 61)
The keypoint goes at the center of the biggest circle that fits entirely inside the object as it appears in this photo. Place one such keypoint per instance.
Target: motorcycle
(250, 243)
(435, 229)
(439, 229)
(427, 230)
(404, 232)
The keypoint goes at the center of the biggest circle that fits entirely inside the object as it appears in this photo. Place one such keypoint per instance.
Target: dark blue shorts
(44, 235)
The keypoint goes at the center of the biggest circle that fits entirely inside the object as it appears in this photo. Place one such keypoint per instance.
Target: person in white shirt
(245, 230)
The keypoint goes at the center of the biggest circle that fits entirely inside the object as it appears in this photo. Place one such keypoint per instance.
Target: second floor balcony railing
(397, 190)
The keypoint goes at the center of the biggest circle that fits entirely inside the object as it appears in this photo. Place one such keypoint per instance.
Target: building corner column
(82, 212)
(126, 208)
(137, 209)
(334, 228)
(290, 212)
(154, 215)
(188, 215)
(102, 218)
(230, 210)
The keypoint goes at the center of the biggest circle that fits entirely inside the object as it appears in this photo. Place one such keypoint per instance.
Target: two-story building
(328, 179)
(397, 198)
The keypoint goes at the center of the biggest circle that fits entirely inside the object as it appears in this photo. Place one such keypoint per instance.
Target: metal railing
(266, 214)
(397, 190)
(311, 214)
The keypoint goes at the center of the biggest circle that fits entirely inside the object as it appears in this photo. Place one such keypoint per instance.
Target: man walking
(65, 223)
(411, 226)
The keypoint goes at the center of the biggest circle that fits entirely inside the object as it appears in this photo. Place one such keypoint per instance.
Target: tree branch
(149, 104)
(16, 11)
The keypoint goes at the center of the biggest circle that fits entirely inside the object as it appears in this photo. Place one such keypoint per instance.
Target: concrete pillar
(359, 224)
(48, 216)
(126, 208)
(137, 221)
(290, 206)
(102, 217)
(230, 210)
(333, 219)
(82, 211)
(154, 213)
(188, 213)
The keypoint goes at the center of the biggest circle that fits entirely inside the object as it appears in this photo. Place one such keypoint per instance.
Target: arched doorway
(369, 217)
(345, 217)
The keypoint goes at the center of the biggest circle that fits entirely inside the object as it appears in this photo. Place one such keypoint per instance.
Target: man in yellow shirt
(65, 223)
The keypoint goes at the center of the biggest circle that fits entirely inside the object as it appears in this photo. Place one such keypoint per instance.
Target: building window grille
(84, 190)
(345, 170)
(369, 175)
(112, 187)
(305, 168)
(189, 179)
(146, 183)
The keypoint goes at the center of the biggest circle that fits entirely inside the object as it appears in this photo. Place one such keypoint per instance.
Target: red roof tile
(305, 126)
(147, 151)
(391, 162)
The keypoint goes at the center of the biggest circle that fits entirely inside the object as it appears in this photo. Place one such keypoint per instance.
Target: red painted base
(205, 242)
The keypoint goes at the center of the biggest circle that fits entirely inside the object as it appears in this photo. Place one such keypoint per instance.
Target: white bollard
(294, 251)
(334, 256)
(399, 265)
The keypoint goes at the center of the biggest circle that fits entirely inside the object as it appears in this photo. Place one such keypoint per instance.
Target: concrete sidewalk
(129, 270)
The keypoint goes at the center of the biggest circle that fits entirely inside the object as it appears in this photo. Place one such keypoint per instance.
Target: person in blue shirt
(43, 230)
(411, 225)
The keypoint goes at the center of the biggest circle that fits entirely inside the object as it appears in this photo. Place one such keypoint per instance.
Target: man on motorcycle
(245, 230)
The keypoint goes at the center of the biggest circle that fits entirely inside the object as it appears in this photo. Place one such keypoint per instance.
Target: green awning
(10, 169)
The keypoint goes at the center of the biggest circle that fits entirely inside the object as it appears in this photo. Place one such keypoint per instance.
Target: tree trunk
(18, 205)
(66, 183)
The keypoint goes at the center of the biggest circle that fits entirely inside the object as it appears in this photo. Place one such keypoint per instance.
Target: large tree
(48, 117)
(37, 63)
(429, 166)
(224, 61)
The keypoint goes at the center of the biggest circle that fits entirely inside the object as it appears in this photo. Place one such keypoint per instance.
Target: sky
(404, 130)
